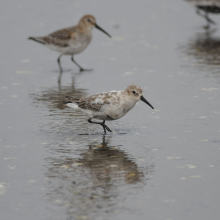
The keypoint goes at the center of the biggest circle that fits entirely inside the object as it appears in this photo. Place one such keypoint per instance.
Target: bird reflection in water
(205, 49)
(97, 183)
(108, 162)
(54, 96)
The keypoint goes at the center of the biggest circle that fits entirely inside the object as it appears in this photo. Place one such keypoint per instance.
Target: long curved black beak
(144, 100)
(98, 27)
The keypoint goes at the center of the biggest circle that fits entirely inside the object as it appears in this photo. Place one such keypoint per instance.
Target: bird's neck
(128, 100)
(84, 29)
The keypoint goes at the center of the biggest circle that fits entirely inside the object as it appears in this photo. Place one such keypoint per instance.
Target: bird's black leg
(59, 78)
(208, 19)
(197, 11)
(105, 127)
(80, 68)
(58, 60)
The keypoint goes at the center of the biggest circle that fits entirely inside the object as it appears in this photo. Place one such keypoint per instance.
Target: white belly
(74, 46)
(113, 112)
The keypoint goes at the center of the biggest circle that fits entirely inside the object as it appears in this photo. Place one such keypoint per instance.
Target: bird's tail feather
(36, 39)
(72, 102)
(72, 105)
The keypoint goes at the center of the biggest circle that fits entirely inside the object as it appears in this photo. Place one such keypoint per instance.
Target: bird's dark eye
(133, 92)
(88, 20)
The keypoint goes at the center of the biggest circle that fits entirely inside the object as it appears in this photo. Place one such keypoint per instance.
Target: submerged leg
(105, 127)
(58, 60)
(80, 68)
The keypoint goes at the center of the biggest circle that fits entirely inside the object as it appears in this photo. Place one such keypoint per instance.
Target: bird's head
(136, 93)
(89, 22)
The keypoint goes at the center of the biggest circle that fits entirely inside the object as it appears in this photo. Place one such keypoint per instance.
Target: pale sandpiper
(108, 106)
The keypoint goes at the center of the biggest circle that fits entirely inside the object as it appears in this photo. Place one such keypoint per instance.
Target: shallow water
(161, 164)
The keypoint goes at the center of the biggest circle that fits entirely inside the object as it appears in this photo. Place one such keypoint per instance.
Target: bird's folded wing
(83, 104)
(63, 34)
(92, 103)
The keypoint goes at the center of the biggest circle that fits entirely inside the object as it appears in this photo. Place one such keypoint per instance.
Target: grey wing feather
(63, 34)
(59, 37)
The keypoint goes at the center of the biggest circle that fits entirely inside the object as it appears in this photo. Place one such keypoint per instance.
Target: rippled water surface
(162, 164)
